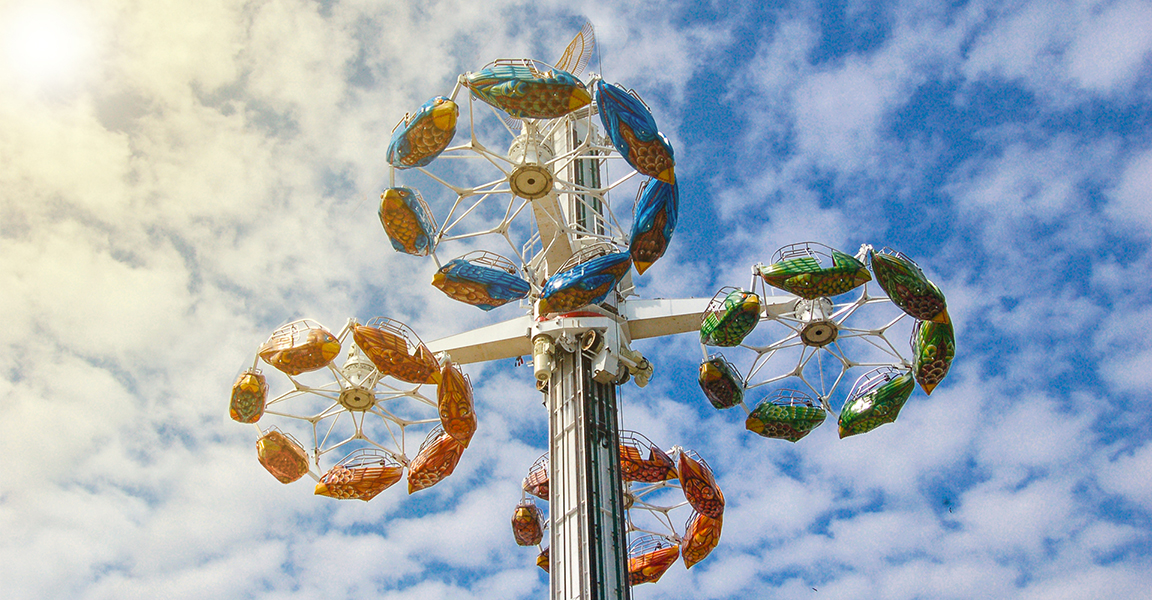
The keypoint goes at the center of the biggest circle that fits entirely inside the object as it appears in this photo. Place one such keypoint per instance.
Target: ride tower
(551, 157)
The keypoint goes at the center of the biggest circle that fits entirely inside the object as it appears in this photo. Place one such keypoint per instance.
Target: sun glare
(46, 43)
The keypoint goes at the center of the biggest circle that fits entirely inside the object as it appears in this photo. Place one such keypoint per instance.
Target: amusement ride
(550, 153)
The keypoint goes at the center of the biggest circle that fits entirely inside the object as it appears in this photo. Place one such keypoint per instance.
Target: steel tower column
(586, 513)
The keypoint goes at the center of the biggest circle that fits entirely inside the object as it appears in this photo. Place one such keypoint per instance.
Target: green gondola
(721, 382)
(934, 347)
(812, 270)
(875, 400)
(907, 287)
(730, 317)
(786, 415)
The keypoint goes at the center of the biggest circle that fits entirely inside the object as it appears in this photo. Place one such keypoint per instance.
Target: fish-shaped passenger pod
(586, 283)
(700, 537)
(876, 399)
(407, 220)
(536, 483)
(907, 287)
(360, 476)
(281, 455)
(649, 557)
(731, 315)
(454, 401)
(933, 347)
(811, 271)
(482, 279)
(657, 467)
(633, 132)
(543, 559)
(524, 91)
(396, 351)
(786, 415)
(527, 524)
(249, 394)
(438, 457)
(299, 347)
(721, 382)
(700, 487)
(653, 222)
(423, 135)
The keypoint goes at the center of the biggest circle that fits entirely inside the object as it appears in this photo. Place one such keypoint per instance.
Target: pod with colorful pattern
(721, 382)
(525, 92)
(803, 274)
(424, 135)
(701, 536)
(729, 318)
(281, 455)
(300, 347)
(907, 287)
(633, 132)
(876, 399)
(249, 394)
(407, 220)
(479, 285)
(587, 283)
(360, 476)
(933, 347)
(653, 222)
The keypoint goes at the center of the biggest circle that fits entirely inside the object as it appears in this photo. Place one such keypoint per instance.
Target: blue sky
(176, 180)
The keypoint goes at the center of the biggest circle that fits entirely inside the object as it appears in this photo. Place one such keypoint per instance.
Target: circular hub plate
(819, 333)
(357, 399)
(530, 181)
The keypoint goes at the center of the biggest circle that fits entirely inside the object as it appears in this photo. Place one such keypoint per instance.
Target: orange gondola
(536, 483)
(649, 557)
(360, 476)
(543, 559)
(700, 487)
(527, 524)
(701, 534)
(299, 347)
(634, 467)
(454, 395)
(249, 394)
(282, 455)
(397, 351)
(438, 457)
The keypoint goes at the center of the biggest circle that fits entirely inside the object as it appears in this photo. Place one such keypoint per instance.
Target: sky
(178, 179)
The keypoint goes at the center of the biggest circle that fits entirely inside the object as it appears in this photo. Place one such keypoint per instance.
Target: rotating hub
(357, 398)
(530, 181)
(819, 329)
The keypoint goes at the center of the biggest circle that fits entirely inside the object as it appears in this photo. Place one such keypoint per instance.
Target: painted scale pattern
(435, 461)
(526, 524)
(720, 383)
(653, 223)
(296, 352)
(586, 283)
(543, 559)
(908, 288)
(454, 401)
(424, 135)
(934, 347)
(407, 221)
(362, 482)
(249, 394)
(634, 133)
(650, 566)
(736, 317)
(536, 483)
(389, 352)
(783, 421)
(281, 456)
(527, 94)
(478, 285)
(656, 468)
(805, 277)
(865, 412)
(700, 487)
(700, 538)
